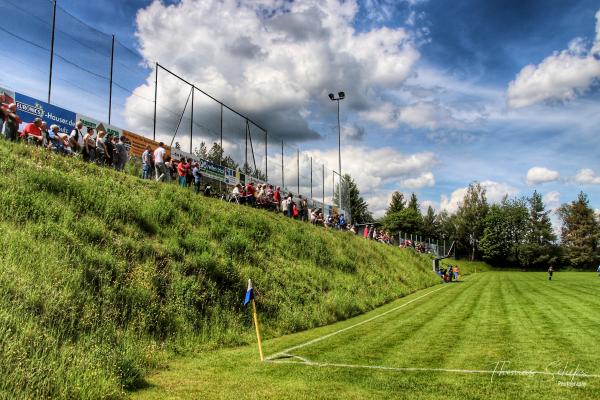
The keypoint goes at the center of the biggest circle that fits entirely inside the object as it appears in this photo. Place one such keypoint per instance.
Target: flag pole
(262, 358)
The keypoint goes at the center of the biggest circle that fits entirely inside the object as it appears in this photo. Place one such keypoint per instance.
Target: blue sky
(440, 93)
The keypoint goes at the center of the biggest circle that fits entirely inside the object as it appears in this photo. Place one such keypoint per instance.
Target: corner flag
(250, 299)
(249, 293)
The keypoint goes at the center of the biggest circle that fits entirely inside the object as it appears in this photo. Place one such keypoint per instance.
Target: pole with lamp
(340, 96)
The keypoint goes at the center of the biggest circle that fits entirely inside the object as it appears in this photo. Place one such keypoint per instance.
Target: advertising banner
(232, 176)
(29, 108)
(213, 171)
(139, 143)
(89, 122)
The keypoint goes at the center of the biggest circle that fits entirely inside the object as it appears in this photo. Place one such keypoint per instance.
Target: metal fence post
(246, 166)
(221, 140)
(192, 122)
(311, 185)
(155, 98)
(110, 87)
(323, 187)
(52, 50)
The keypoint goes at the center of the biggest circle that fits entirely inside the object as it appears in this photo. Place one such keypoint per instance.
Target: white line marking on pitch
(416, 369)
(313, 341)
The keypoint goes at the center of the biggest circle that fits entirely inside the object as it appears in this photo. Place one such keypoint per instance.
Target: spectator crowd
(99, 147)
(102, 148)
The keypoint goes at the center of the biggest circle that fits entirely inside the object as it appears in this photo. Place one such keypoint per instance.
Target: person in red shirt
(11, 122)
(182, 168)
(33, 132)
(250, 193)
(277, 198)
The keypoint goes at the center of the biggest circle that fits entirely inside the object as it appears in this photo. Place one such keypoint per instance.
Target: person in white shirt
(159, 163)
(76, 137)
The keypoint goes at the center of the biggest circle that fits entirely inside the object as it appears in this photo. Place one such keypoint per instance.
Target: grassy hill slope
(103, 276)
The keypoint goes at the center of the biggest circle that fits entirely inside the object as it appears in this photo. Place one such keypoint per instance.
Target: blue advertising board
(29, 108)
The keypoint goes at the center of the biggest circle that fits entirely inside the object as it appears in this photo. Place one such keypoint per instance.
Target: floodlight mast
(341, 96)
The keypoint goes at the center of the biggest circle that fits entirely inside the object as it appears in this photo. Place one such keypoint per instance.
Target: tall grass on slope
(103, 275)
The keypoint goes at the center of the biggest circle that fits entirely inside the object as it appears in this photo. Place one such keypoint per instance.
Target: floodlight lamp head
(341, 95)
(331, 96)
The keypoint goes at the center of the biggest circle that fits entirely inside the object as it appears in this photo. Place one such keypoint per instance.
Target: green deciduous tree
(539, 248)
(504, 232)
(580, 234)
(359, 209)
(407, 220)
(401, 217)
(471, 218)
(201, 151)
(215, 155)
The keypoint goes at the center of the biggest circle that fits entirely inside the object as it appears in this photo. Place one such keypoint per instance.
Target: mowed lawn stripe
(404, 336)
(446, 320)
(315, 336)
(561, 337)
(574, 287)
(397, 339)
(485, 329)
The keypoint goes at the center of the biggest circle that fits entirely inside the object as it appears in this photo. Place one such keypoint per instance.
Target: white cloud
(272, 59)
(378, 202)
(423, 180)
(425, 204)
(552, 200)
(373, 168)
(385, 114)
(537, 175)
(560, 77)
(353, 131)
(495, 192)
(424, 114)
(586, 176)
(430, 115)
(451, 204)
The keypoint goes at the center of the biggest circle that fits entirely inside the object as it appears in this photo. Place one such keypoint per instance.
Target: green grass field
(541, 338)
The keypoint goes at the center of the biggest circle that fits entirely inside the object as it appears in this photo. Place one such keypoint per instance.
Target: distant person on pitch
(550, 272)
(598, 270)
(455, 270)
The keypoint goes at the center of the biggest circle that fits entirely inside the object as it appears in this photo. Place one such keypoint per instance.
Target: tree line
(516, 232)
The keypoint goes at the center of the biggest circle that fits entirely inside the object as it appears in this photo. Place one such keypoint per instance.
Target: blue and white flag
(249, 293)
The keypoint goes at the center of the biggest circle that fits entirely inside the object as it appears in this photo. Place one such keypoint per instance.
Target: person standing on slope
(147, 162)
(550, 272)
(197, 177)
(159, 163)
